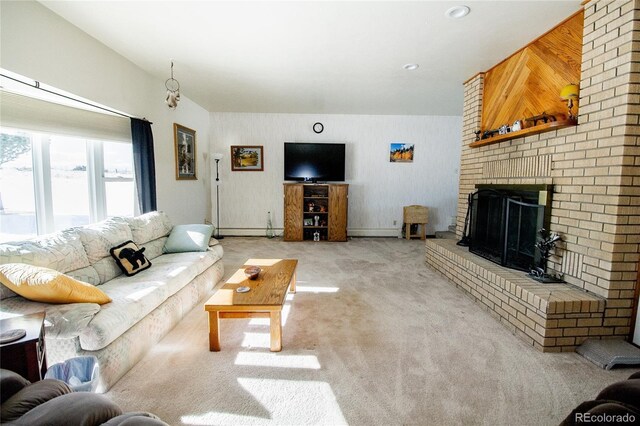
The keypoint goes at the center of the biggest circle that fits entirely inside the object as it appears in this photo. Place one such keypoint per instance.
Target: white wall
(38, 44)
(378, 189)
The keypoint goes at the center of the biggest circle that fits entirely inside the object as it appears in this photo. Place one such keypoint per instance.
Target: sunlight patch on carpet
(310, 402)
(213, 418)
(310, 289)
(286, 401)
(276, 360)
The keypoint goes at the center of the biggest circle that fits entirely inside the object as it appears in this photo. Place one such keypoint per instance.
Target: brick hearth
(595, 170)
(552, 317)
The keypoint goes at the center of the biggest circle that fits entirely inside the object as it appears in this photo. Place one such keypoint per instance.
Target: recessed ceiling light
(411, 67)
(457, 12)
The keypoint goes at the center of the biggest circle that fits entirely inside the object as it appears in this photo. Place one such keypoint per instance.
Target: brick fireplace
(594, 168)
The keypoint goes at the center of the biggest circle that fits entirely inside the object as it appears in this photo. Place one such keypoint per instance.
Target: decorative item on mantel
(544, 117)
(173, 90)
(568, 94)
(502, 130)
(516, 126)
(522, 128)
(489, 133)
(546, 242)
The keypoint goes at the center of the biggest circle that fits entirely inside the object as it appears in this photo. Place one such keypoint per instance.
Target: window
(50, 182)
(69, 182)
(17, 200)
(118, 178)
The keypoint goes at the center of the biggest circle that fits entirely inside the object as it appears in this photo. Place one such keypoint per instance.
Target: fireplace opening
(504, 223)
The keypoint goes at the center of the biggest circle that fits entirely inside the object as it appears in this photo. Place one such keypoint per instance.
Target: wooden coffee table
(264, 300)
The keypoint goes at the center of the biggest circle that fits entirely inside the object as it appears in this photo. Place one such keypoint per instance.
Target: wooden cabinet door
(338, 196)
(293, 209)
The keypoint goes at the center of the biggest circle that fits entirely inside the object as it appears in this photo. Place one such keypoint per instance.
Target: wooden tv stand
(304, 203)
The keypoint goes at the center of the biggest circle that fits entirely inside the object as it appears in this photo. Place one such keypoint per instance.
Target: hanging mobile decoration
(173, 90)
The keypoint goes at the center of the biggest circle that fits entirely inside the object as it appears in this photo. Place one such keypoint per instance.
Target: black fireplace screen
(504, 224)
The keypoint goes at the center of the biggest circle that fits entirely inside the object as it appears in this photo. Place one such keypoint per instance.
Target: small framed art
(185, 146)
(247, 158)
(400, 152)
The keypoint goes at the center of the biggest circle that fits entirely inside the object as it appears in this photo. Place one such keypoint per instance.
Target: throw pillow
(188, 238)
(130, 258)
(49, 286)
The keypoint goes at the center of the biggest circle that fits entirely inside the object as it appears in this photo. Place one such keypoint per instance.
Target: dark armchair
(618, 403)
(52, 402)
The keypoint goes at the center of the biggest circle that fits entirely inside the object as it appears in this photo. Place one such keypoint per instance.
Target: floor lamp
(218, 157)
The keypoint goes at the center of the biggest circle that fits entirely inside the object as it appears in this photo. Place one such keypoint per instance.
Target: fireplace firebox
(504, 223)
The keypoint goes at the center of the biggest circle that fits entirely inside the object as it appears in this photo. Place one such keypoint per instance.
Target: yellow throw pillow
(49, 286)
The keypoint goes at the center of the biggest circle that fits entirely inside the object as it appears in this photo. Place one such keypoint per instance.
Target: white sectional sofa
(144, 307)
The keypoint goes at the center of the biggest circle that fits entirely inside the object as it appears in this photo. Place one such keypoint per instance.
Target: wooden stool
(415, 215)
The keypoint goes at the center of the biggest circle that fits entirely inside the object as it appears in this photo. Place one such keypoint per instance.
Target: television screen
(314, 162)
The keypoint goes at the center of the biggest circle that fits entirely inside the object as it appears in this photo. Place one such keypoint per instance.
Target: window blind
(23, 112)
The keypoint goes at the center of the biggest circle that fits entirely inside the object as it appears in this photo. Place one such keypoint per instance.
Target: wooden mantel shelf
(540, 128)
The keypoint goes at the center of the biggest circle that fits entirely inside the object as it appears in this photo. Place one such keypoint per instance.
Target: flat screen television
(313, 162)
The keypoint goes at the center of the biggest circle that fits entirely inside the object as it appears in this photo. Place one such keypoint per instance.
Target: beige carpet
(371, 337)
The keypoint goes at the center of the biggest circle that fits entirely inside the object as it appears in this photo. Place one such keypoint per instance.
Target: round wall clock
(318, 127)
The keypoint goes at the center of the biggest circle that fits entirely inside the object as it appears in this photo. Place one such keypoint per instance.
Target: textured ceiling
(315, 56)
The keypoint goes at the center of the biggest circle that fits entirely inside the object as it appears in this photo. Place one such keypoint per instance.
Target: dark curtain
(144, 164)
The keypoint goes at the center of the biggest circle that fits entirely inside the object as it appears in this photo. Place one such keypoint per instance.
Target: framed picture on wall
(400, 152)
(185, 146)
(247, 158)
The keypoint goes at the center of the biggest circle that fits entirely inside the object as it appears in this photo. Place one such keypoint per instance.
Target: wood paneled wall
(528, 82)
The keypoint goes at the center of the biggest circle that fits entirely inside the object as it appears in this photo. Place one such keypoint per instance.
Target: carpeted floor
(372, 337)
